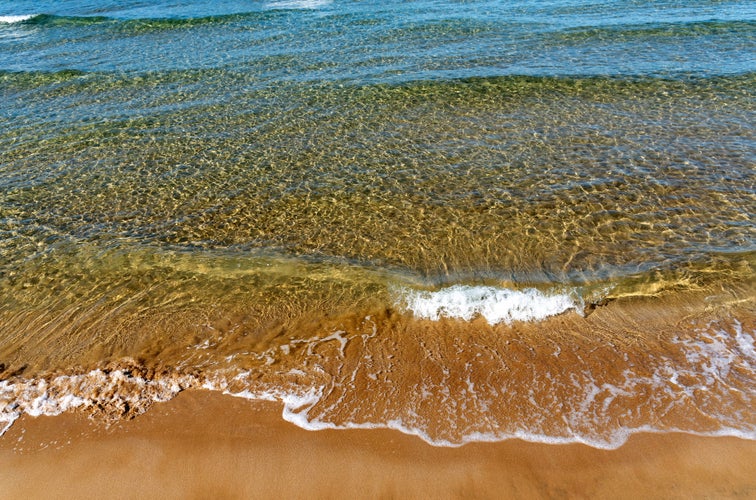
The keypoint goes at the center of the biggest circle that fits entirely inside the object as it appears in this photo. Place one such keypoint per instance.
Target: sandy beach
(206, 445)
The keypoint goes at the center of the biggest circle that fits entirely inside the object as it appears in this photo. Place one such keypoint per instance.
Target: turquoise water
(392, 42)
(206, 187)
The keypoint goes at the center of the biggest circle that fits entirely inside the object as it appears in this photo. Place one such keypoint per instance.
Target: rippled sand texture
(545, 178)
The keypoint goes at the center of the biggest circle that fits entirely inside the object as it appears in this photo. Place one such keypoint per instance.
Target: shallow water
(467, 221)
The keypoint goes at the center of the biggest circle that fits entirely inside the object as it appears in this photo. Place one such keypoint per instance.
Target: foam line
(298, 4)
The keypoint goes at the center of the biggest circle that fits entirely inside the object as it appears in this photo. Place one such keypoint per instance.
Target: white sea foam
(15, 19)
(117, 389)
(713, 358)
(745, 342)
(297, 407)
(297, 4)
(496, 305)
(45, 398)
(590, 415)
(337, 336)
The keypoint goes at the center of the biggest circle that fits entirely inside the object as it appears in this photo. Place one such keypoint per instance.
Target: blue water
(383, 41)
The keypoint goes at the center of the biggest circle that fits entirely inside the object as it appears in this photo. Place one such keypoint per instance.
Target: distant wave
(297, 4)
(452, 89)
(146, 24)
(456, 27)
(16, 19)
(649, 30)
(53, 20)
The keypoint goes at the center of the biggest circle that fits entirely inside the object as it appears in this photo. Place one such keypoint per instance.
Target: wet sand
(206, 445)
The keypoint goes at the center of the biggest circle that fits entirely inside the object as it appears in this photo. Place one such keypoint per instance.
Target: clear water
(200, 189)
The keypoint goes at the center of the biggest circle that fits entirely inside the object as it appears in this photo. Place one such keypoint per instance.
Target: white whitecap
(496, 305)
(15, 19)
(297, 4)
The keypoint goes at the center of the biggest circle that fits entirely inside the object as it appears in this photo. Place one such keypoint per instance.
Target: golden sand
(206, 445)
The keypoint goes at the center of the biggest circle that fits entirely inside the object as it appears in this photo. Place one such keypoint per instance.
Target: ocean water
(465, 220)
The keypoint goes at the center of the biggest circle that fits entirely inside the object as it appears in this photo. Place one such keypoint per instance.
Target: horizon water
(467, 221)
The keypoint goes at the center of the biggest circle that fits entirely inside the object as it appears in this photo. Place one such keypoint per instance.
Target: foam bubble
(496, 305)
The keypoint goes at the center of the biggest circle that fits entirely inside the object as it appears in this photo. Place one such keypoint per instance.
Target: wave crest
(496, 305)
(16, 19)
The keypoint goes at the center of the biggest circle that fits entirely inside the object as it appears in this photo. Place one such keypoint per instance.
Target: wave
(16, 19)
(450, 91)
(54, 20)
(449, 27)
(136, 25)
(297, 4)
(113, 393)
(618, 32)
(346, 380)
(496, 305)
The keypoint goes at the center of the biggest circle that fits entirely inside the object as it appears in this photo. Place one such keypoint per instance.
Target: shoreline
(204, 444)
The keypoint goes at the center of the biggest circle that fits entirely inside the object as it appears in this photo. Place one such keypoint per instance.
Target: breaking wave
(496, 305)
(16, 18)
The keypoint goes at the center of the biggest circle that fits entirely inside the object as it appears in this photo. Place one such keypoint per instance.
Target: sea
(466, 220)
